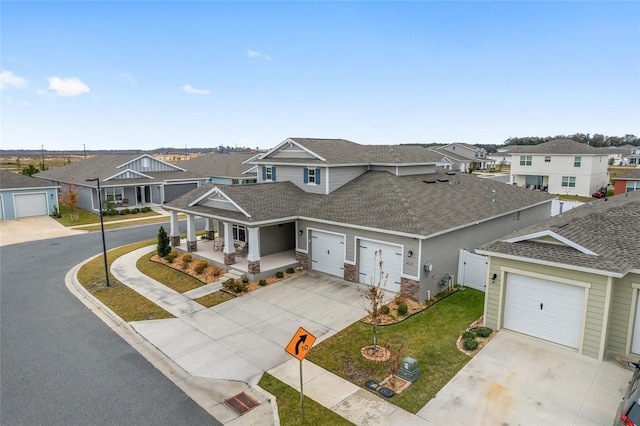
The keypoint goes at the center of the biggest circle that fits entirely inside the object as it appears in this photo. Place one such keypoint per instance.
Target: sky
(151, 74)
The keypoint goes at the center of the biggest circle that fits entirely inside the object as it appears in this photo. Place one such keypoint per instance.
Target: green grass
(213, 299)
(125, 302)
(86, 218)
(170, 277)
(288, 400)
(429, 337)
(575, 198)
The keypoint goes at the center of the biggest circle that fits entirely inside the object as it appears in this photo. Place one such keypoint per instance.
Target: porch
(269, 264)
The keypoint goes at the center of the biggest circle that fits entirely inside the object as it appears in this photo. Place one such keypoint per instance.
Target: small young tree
(69, 199)
(396, 360)
(374, 297)
(164, 245)
(30, 170)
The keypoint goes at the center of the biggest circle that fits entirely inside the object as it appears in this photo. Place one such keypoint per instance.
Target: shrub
(201, 265)
(124, 212)
(145, 209)
(216, 271)
(290, 270)
(184, 265)
(403, 309)
(164, 244)
(483, 332)
(56, 212)
(279, 274)
(245, 279)
(171, 256)
(384, 310)
(135, 210)
(262, 282)
(469, 344)
(468, 335)
(187, 258)
(233, 285)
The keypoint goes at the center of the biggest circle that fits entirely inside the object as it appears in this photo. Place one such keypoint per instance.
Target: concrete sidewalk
(221, 351)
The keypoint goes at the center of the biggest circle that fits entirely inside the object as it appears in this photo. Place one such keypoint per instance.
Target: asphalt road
(59, 363)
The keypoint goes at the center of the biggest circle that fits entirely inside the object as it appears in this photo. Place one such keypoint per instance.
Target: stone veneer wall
(303, 259)
(411, 288)
(350, 273)
(175, 241)
(253, 267)
(229, 258)
(210, 235)
(192, 246)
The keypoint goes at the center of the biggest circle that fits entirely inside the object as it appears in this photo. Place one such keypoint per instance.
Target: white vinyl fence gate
(472, 270)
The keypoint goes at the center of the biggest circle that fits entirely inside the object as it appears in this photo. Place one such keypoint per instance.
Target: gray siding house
(24, 196)
(334, 203)
(230, 169)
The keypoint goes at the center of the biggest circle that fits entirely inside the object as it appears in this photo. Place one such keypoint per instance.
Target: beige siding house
(572, 279)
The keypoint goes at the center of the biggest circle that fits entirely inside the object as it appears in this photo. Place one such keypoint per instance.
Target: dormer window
(269, 173)
(311, 176)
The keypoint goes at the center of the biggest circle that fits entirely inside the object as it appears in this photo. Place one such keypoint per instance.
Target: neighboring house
(24, 196)
(333, 203)
(627, 182)
(634, 157)
(223, 168)
(572, 279)
(502, 157)
(128, 180)
(560, 166)
(462, 157)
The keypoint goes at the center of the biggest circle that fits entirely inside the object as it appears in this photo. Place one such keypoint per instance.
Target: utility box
(409, 369)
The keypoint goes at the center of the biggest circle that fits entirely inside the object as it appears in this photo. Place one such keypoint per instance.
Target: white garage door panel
(327, 253)
(391, 264)
(635, 343)
(545, 309)
(31, 205)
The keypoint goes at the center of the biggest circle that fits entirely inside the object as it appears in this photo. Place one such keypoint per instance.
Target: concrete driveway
(519, 380)
(32, 229)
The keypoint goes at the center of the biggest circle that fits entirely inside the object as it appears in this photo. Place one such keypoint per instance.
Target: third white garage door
(327, 253)
(545, 309)
(392, 263)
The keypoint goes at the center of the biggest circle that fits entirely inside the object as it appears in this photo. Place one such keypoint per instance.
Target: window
(114, 194)
(525, 160)
(312, 176)
(269, 173)
(569, 181)
(547, 158)
(577, 161)
(239, 233)
(633, 185)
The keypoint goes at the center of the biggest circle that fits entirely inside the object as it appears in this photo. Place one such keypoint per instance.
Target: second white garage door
(545, 309)
(391, 264)
(327, 253)
(31, 204)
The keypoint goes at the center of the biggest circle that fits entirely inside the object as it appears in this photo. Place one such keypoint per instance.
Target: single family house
(228, 169)
(24, 196)
(464, 157)
(626, 182)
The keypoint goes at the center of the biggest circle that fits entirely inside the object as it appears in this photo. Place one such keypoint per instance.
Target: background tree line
(597, 139)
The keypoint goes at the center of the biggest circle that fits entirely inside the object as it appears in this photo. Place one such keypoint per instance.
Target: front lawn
(86, 217)
(170, 277)
(429, 337)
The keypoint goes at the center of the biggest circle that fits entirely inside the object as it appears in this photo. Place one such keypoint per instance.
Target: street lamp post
(104, 245)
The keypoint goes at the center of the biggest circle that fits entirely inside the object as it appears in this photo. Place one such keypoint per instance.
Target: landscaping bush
(470, 344)
(135, 210)
(187, 258)
(384, 310)
(164, 244)
(468, 335)
(171, 256)
(245, 279)
(56, 212)
(290, 270)
(124, 212)
(110, 209)
(403, 309)
(234, 286)
(216, 271)
(184, 265)
(279, 274)
(200, 266)
(483, 332)
(262, 282)
(145, 209)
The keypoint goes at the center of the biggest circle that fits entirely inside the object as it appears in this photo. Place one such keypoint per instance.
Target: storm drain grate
(241, 403)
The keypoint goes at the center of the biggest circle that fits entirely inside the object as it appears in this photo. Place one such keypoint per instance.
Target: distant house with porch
(127, 180)
(464, 157)
(228, 169)
(330, 204)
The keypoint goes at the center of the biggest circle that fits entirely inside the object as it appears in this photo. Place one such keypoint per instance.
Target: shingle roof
(609, 228)
(10, 180)
(558, 146)
(378, 200)
(220, 165)
(633, 175)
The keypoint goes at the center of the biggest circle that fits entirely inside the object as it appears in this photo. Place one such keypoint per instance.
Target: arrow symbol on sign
(303, 338)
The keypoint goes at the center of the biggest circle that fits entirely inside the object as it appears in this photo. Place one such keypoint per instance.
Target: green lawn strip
(429, 337)
(125, 302)
(214, 298)
(288, 400)
(170, 277)
(86, 218)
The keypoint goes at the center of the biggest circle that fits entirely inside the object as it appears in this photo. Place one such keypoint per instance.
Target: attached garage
(635, 341)
(31, 204)
(173, 191)
(544, 309)
(327, 253)
(392, 263)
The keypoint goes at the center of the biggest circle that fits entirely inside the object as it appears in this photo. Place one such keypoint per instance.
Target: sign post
(298, 348)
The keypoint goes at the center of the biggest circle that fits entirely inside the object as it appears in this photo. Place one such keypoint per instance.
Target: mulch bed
(210, 274)
(482, 341)
(412, 308)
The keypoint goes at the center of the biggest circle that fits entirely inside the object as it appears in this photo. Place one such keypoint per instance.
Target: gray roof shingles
(10, 180)
(219, 165)
(557, 146)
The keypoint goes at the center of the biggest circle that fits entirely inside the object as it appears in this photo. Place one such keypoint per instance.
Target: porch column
(209, 229)
(142, 196)
(192, 244)
(253, 257)
(229, 248)
(175, 231)
(216, 225)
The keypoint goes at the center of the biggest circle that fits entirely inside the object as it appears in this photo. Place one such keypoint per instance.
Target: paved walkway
(215, 353)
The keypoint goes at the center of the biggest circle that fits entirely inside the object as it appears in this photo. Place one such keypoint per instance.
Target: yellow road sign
(300, 344)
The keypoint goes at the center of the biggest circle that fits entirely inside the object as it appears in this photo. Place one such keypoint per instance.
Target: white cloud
(9, 79)
(190, 89)
(256, 54)
(127, 77)
(71, 86)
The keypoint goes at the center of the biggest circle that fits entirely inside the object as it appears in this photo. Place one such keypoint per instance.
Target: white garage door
(391, 264)
(635, 343)
(545, 309)
(327, 253)
(31, 205)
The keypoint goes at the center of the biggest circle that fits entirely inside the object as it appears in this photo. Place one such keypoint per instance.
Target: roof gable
(216, 198)
(550, 237)
(146, 162)
(128, 174)
(290, 148)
